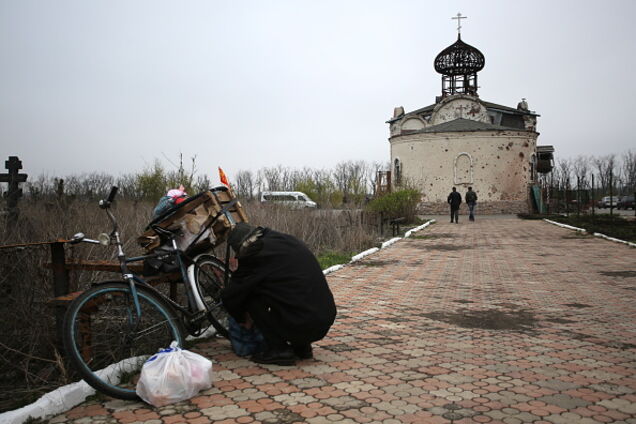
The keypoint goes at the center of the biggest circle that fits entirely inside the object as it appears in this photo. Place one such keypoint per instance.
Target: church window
(463, 169)
(397, 172)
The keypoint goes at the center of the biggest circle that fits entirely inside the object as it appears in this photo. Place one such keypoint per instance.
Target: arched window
(397, 172)
(463, 169)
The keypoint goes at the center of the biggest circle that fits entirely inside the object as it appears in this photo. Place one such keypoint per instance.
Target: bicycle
(111, 329)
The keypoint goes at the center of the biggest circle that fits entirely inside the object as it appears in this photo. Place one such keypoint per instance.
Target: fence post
(593, 196)
(611, 192)
(60, 285)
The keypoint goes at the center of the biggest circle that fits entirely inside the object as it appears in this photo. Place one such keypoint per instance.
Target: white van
(293, 199)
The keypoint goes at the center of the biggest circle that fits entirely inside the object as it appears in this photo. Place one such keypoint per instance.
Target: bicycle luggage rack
(205, 221)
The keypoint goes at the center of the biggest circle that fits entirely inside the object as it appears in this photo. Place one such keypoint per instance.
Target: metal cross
(459, 17)
(12, 177)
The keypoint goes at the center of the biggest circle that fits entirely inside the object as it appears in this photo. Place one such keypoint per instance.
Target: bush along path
(493, 321)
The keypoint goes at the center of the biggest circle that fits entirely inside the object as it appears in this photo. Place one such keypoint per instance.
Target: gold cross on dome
(459, 17)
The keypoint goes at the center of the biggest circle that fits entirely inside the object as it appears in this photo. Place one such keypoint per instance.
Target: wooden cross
(12, 177)
(459, 17)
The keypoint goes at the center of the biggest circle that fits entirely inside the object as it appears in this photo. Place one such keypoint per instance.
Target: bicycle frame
(195, 302)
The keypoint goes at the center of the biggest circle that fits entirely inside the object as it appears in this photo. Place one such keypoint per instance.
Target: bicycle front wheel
(209, 276)
(108, 343)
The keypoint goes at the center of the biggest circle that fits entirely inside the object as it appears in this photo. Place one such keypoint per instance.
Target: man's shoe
(303, 352)
(275, 357)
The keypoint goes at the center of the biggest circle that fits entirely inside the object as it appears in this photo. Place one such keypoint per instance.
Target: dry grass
(30, 359)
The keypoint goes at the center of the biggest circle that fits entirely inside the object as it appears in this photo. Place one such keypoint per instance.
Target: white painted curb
(569, 227)
(375, 249)
(615, 239)
(390, 242)
(332, 269)
(583, 230)
(63, 398)
(55, 402)
(363, 254)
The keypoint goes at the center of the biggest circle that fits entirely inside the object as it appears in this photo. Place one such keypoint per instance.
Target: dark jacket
(471, 197)
(454, 199)
(281, 275)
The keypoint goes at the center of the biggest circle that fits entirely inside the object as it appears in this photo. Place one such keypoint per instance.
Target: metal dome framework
(459, 64)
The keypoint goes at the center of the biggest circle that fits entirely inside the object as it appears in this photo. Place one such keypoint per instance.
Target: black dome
(459, 59)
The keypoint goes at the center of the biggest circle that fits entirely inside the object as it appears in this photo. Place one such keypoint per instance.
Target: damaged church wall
(463, 141)
(497, 164)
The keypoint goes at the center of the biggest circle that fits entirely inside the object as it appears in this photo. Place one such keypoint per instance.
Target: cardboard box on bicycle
(204, 220)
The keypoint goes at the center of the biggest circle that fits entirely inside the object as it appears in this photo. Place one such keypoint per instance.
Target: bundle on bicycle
(111, 329)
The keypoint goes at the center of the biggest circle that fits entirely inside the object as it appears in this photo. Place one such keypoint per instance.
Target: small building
(462, 140)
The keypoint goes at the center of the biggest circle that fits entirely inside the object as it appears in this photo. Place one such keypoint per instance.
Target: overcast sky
(110, 86)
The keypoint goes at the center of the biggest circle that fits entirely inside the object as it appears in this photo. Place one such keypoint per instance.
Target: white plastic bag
(173, 375)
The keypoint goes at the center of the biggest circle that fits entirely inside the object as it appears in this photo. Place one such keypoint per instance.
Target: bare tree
(604, 170)
(628, 167)
(269, 179)
(581, 169)
(202, 183)
(563, 173)
(244, 184)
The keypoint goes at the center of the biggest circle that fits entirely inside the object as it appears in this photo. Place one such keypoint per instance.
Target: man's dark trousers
(455, 214)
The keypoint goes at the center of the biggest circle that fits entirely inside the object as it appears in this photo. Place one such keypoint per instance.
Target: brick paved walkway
(501, 320)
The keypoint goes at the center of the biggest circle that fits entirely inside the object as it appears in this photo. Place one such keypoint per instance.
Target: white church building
(463, 141)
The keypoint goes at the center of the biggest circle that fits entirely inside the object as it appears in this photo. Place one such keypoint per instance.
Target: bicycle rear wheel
(209, 276)
(108, 344)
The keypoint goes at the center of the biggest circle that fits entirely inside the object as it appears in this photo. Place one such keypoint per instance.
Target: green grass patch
(328, 259)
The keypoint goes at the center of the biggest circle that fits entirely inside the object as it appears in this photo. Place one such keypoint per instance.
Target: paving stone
(556, 385)
(563, 401)
(496, 317)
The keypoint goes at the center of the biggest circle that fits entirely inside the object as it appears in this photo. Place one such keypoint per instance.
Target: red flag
(223, 178)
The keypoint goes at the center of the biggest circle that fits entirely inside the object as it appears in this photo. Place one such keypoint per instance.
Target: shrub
(402, 203)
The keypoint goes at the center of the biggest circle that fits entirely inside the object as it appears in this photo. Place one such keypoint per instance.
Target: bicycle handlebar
(105, 204)
(112, 194)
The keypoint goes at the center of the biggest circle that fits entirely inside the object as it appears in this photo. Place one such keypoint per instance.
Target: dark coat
(471, 197)
(284, 278)
(454, 199)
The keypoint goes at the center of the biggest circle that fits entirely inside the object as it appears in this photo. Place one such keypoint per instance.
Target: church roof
(461, 124)
(489, 106)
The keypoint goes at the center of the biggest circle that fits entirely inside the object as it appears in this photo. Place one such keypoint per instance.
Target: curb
(583, 230)
(376, 249)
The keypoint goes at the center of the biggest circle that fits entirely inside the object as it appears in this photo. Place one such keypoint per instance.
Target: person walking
(454, 200)
(471, 200)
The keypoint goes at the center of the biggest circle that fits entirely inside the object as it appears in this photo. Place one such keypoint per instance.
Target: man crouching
(280, 289)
